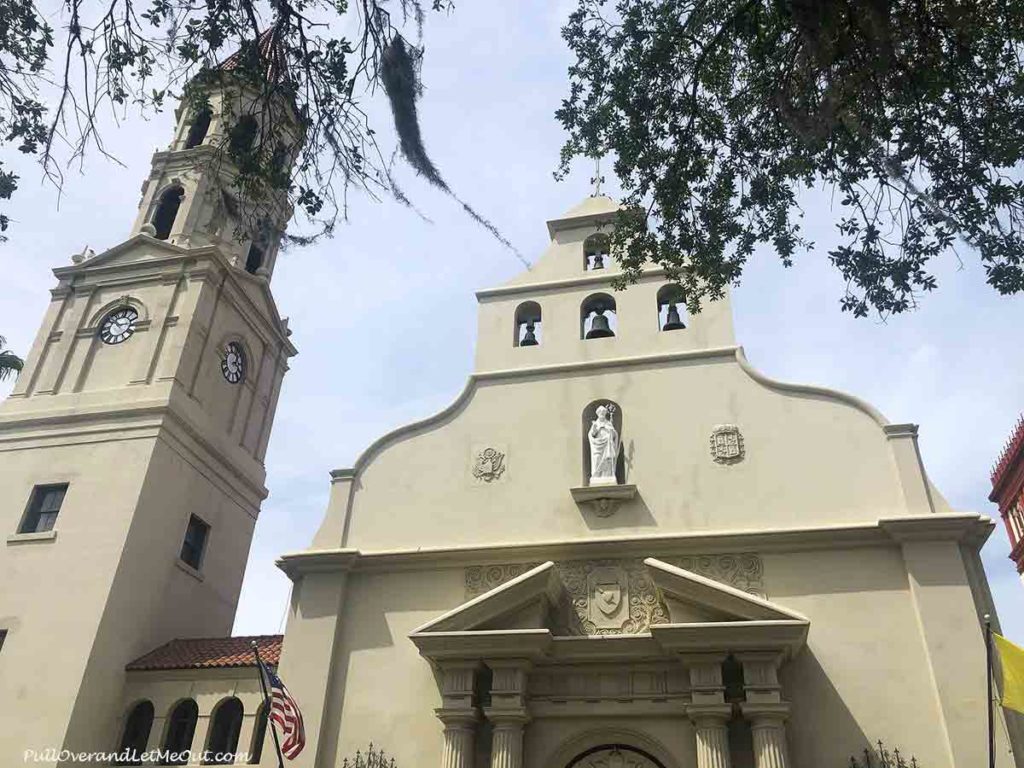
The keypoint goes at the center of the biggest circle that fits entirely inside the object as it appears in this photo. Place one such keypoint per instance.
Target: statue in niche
(604, 447)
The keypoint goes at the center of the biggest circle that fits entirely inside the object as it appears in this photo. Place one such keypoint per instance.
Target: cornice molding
(602, 278)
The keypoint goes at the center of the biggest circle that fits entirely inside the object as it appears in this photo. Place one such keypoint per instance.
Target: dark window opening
(243, 134)
(596, 252)
(3, 637)
(195, 542)
(254, 259)
(43, 508)
(198, 129)
(167, 212)
(136, 734)
(223, 741)
(669, 298)
(180, 730)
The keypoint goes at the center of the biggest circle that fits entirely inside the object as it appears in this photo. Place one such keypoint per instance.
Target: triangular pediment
(139, 249)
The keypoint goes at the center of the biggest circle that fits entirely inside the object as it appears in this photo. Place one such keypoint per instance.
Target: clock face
(232, 365)
(119, 325)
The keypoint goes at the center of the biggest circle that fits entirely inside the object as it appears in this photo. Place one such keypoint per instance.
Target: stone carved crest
(488, 464)
(727, 444)
(616, 596)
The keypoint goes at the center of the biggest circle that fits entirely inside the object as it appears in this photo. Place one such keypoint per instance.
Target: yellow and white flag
(1011, 658)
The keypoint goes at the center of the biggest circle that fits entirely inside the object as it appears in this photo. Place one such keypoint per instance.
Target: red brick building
(1008, 492)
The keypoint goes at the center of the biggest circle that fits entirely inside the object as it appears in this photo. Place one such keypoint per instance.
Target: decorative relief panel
(616, 757)
(487, 464)
(727, 444)
(614, 597)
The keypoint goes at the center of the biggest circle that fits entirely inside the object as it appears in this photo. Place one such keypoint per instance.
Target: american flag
(285, 714)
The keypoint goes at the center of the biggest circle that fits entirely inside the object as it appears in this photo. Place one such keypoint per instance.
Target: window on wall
(527, 331)
(167, 211)
(3, 638)
(227, 723)
(193, 546)
(596, 252)
(243, 134)
(43, 507)
(181, 728)
(197, 131)
(136, 734)
(597, 317)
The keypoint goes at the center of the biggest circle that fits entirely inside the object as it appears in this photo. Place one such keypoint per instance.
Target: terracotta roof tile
(211, 653)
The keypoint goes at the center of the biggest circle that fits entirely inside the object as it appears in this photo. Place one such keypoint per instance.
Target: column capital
(709, 714)
(766, 714)
(457, 717)
(507, 718)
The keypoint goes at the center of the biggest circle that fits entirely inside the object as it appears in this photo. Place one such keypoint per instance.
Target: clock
(232, 365)
(119, 325)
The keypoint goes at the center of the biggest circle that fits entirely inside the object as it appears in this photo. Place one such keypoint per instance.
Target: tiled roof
(271, 56)
(211, 653)
(1012, 448)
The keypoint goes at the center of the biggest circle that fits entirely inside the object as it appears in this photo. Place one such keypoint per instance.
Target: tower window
(243, 134)
(195, 542)
(136, 733)
(197, 131)
(167, 211)
(43, 508)
(180, 730)
(669, 298)
(527, 324)
(254, 259)
(596, 252)
(597, 317)
(259, 735)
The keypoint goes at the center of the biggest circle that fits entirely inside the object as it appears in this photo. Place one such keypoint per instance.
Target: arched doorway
(615, 756)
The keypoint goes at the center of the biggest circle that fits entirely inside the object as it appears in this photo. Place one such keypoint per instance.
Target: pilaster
(458, 712)
(507, 712)
(768, 728)
(709, 711)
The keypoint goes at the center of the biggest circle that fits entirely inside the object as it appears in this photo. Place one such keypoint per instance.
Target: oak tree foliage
(718, 112)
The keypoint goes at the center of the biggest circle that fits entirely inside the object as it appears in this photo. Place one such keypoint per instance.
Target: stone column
(708, 710)
(769, 731)
(459, 736)
(507, 712)
(458, 713)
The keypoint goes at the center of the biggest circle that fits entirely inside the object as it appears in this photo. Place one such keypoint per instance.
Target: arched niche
(199, 128)
(135, 736)
(671, 308)
(225, 726)
(587, 420)
(527, 325)
(596, 252)
(583, 748)
(181, 729)
(598, 319)
(615, 756)
(166, 211)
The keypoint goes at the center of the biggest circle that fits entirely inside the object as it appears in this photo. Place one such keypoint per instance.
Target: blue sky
(385, 319)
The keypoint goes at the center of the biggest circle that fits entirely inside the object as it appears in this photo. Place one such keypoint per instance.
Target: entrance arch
(615, 756)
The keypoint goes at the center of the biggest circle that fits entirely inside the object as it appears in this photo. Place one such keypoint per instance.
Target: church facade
(620, 546)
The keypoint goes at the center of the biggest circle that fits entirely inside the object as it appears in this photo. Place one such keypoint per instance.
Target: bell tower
(132, 447)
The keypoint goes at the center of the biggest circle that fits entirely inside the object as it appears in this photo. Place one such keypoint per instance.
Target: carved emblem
(488, 465)
(608, 597)
(726, 444)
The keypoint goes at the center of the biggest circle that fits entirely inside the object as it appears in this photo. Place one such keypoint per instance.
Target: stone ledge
(605, 498)
(26, 538)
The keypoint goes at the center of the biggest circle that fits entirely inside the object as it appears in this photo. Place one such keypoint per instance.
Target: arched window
(223, 741)
(243, 134)
(596, 252)
(669, 298)
(167, 211)
(597, 316)
(603, 445)
(197, 131)
(259, 735)
(181, 727)
(254, 258)
(136, 734)
(527, 324)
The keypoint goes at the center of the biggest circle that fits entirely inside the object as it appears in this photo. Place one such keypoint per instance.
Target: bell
(529, 338)
(672, 321)
(598, 260)
(599, 326)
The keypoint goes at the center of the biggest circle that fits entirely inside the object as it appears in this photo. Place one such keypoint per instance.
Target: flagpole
(267, 703)
(988, 671)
